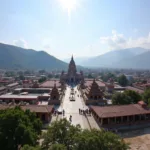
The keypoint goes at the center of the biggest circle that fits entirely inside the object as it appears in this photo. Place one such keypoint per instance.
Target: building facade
(71, 76)
(121, 116)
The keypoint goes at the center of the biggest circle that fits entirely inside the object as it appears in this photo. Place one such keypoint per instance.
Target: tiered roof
(93, 89)
(54, 91)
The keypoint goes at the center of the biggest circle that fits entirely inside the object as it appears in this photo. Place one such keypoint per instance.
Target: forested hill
(12, 57)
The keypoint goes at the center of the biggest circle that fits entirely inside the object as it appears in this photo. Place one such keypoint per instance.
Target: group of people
(56, 112)
(84, 112)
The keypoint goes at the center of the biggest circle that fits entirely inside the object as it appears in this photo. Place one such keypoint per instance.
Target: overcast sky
(78, 27)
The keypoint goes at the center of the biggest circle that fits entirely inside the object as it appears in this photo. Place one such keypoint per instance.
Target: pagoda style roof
(54, 90)
(93, 89)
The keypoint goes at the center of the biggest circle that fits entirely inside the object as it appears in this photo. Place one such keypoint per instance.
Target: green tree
(74, 138)
(57, 147)
(149, 102)
(107, 76)
(60, 132)
(98, 140)
(21, 77)
(27, 147)
(122, 80)
(17, 128)
(121, 99)
(146, 95)
(90, 76)
(128, 97)
(133, 95)
(42, 79)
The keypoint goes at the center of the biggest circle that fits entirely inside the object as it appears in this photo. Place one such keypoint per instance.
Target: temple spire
(72, 57)
(72, 67)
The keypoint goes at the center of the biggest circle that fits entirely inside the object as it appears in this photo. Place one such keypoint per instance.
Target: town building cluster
(43, 97)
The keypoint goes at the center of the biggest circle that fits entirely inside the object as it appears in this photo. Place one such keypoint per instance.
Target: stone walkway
(92, 122)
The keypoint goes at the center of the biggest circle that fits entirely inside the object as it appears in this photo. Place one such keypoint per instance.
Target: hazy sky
(79, 27)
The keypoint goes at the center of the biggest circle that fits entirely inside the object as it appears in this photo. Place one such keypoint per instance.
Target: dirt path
(138, 139)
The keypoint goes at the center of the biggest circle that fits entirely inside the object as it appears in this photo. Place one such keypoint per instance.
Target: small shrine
(54, 94)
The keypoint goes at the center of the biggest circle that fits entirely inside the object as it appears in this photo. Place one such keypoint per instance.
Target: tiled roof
(50, 83)
(119, 110)
(89, 82)
(38, 108)
(2, 88)
(134, 89)
(12, 84)
(32, 108)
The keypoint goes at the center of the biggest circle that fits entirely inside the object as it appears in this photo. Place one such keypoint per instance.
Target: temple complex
(72, 77)
(93, 94)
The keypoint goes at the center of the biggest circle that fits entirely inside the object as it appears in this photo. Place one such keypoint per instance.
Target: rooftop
(135, 89)
(50, 83)
(32, 108)
(119, 110)
(2, 88)
(13, 96)
(12, 84)
(89, 82)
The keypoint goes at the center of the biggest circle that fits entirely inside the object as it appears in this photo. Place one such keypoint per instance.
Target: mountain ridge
(119, 59)
(19, 58)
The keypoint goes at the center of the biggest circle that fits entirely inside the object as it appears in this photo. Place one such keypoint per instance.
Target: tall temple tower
(72, 68)
(71, 77)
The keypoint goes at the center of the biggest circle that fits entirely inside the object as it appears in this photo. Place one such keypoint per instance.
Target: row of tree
(127, 97)
(63, 136)
(122, 80)
(21, 129)
(130, 97)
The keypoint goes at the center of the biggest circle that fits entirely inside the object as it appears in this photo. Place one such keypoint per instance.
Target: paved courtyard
(72, 108)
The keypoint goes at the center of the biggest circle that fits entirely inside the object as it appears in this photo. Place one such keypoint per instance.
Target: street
(72, 108)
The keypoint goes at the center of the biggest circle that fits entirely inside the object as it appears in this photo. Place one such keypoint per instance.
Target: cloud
(119, 41)
(21, 43)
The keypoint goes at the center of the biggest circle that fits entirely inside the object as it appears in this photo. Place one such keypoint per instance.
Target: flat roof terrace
(12, 84)
(18, 97)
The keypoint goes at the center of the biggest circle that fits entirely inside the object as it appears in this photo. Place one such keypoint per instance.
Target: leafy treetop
(17, 128)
